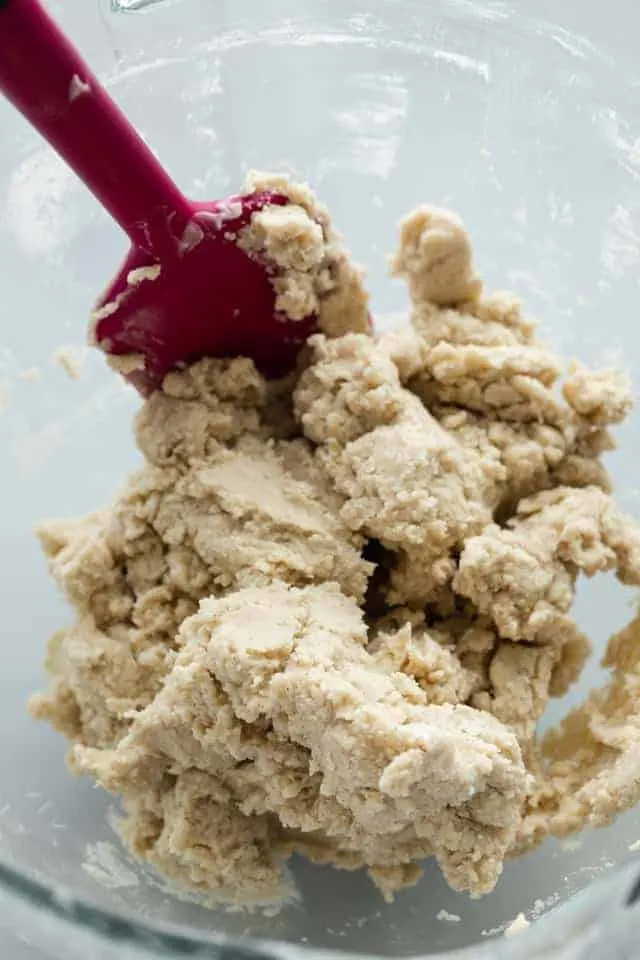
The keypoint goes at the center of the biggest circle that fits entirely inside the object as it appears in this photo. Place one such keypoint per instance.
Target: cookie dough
(328, 612)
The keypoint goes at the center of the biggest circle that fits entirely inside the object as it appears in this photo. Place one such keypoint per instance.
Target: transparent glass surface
(521, 116)
(127, 5)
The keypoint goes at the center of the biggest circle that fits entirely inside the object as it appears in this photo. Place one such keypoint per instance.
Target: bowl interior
(523, 120)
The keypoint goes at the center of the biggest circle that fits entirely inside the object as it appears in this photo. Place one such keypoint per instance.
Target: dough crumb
(447, 917)
(517, 925)
(70, 358)
(314, 274)
(78, 88)
(600, 397)
(143, 274)
(326, 614)
(127, 363)
(31, 374)
(435, 258)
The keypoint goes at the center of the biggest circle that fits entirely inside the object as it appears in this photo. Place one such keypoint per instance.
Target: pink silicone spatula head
(186, 288)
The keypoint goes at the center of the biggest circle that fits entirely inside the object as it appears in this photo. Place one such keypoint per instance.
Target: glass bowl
(523, 118)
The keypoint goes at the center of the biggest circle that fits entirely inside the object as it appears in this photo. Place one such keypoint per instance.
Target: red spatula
(186, 289)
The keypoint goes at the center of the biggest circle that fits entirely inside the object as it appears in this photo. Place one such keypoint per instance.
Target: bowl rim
(589, 914)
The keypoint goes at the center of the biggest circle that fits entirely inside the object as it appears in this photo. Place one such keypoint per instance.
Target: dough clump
(327, 614)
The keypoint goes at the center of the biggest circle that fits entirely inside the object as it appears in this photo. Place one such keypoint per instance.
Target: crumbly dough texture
(327, 613)
(312, 271)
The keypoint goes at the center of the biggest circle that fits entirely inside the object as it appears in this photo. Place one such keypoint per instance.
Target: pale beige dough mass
(327, 613)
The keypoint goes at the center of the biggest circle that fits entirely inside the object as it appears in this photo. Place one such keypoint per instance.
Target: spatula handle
(46, 79)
